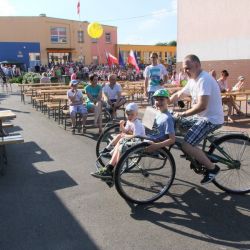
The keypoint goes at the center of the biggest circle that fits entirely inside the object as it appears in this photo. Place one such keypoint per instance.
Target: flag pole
(81, 29)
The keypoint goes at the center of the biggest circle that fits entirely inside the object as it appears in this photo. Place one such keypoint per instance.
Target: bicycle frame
(227, 160)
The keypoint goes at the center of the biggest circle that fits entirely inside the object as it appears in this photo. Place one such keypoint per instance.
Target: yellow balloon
(95, 30)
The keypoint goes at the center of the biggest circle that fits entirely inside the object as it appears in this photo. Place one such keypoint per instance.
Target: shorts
(81, 109)
(198, 130)
(125, 144)
(109, 107)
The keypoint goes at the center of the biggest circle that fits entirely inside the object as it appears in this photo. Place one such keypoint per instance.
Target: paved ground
(49, 201)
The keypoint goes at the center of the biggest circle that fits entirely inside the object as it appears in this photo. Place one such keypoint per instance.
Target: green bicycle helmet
(161, 93)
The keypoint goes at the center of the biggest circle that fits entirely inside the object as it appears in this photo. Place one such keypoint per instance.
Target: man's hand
(152, 147)
(179, 114)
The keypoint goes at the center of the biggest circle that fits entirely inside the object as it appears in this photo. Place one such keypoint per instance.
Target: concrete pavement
(48, 200)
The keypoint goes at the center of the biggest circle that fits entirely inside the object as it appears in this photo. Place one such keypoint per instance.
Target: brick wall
(235, 68)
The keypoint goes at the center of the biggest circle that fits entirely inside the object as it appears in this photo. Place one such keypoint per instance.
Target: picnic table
(6, 138)
(242, 95)
(5, 114)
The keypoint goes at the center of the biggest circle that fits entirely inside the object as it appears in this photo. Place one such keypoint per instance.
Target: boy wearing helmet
(163, 134)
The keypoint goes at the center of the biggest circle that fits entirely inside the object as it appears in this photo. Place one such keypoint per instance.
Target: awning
(59, 50)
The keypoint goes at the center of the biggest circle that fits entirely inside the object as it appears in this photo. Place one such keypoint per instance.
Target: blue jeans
(151, 98)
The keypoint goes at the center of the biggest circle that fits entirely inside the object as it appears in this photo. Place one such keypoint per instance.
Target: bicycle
(141, 177)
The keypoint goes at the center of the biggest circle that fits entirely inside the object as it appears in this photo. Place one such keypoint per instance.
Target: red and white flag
(78, 7)
(132, 61)
(111, 59)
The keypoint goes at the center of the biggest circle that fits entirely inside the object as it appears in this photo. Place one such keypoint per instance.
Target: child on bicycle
(162, 135)
(132, 128)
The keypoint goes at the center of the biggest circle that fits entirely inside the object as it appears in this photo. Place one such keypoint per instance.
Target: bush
(18, 79)
(31, 78)
(53, 79)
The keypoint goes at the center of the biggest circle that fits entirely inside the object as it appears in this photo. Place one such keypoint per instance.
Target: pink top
(73, 76)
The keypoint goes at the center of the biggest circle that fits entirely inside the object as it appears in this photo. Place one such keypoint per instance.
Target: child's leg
(115, 156)
(72, 111)
(114, 141)
(83, 111)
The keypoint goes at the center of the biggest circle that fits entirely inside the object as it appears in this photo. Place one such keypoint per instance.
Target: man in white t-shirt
(156, 76)
(206, 112)
(112, 92)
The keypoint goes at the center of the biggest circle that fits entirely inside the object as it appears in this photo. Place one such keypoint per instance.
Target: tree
(161, 44)
(172, 43)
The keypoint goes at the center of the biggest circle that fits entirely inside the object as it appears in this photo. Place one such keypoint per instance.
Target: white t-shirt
(155, 74)
(206, 85)
(135, 127)
(223, 85)
(79, 97)
(112, 93)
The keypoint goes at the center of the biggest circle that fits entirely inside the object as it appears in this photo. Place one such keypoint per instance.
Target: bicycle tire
(104, 139)
(157, 179)
(231, 179)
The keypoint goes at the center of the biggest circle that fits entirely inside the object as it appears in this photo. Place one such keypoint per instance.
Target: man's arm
(157, 145)
(177, 96)
(200, 106)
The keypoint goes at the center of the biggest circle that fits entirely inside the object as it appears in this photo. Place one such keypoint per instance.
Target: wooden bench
(11, 139)
(6, 140)
(7, 125)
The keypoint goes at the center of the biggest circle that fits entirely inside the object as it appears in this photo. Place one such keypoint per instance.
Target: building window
(58, 35)
(80, 36)
(94, 40)
(95, 60)
(108, 37)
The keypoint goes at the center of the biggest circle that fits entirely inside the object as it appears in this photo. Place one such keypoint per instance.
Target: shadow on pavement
(216, 218)
(32, 216)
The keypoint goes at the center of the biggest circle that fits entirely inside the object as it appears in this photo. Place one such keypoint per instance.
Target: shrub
(18, 79)
(31, 77)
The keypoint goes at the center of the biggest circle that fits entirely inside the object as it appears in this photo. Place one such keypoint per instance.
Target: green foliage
(53, 79)
(171, 43)
(31, 77)
(18, 79)
(161, 44)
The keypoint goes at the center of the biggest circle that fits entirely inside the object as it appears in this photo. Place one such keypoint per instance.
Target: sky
(138, 22)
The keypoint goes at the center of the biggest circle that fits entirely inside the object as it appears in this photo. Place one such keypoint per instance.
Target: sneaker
(103, 173)
(73, 130)
(210, 175)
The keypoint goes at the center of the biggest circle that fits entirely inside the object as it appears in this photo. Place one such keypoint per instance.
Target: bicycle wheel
(103, 141)
(144, 177)
(234, 178)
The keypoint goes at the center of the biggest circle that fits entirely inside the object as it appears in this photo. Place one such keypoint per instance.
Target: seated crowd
(108, 95)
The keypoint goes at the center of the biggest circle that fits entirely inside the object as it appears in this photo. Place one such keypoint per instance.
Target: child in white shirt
(132, 128)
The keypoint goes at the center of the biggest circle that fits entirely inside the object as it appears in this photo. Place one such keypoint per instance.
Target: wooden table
(5, 114)
(236, 94)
